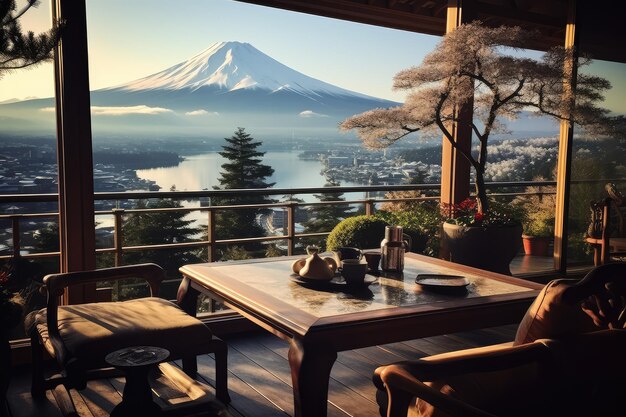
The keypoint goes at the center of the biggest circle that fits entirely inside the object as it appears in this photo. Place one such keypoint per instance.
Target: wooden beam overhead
(603, 34)
(373, 13)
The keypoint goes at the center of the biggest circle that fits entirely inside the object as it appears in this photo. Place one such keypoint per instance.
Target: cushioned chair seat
(91, 331)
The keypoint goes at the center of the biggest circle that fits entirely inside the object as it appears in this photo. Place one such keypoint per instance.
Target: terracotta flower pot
(491, 248)
(536, 245)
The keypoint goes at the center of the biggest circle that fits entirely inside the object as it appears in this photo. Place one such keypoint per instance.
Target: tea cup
(344, 253)
(353, 271)
(373, 260)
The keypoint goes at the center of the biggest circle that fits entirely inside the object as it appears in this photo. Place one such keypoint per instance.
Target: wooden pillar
(76, 203)
(566, 135)
(455, 169)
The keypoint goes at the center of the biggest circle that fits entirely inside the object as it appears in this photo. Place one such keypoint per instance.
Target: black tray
(338, 283)
(441, 281)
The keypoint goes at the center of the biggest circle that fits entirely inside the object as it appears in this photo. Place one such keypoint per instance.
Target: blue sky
(133, 39)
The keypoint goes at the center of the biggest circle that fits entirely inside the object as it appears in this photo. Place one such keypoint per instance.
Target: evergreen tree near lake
(244, 170)
(163, 227)
(324, 218)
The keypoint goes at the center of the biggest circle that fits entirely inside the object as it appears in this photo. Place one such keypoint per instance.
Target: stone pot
(491, 248)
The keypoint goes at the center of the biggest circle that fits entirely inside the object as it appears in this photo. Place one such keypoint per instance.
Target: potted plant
(538, 233)
(484, 241)
(538, 205)
(470, 69)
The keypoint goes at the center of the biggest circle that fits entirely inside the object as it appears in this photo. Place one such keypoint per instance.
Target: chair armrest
(476, 360)
(403, 380)
(402, 386)
(152, 273)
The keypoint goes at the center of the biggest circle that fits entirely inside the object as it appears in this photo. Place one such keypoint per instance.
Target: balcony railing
(369, 204)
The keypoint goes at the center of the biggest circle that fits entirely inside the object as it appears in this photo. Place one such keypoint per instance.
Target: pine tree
(324, 218)
(19, 50)
(160, 228)
(243, 170)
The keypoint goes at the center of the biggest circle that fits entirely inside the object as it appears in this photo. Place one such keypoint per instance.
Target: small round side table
(136, 362)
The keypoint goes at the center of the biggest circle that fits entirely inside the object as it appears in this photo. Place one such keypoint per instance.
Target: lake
(198, 172)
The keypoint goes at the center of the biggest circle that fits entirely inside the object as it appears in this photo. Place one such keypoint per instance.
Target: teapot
(314, 267)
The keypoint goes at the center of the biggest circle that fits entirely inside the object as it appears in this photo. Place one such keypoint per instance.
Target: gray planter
(491, 248)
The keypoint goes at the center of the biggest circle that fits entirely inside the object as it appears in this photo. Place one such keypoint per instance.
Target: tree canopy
(323, 218)
(470, 66)
(244, 170)
(19, 49)
(162, 227)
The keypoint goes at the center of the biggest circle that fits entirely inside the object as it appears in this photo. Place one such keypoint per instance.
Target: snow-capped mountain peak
(232, 66)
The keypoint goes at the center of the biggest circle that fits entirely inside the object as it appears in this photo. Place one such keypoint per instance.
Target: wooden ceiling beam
(362, 12)
(603, 33)
(518, 16)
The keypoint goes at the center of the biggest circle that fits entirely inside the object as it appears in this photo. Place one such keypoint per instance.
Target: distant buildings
(376, 169)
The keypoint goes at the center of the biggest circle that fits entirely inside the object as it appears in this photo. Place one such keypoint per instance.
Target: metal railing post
(118, 237)
(291, 227)
(211, 249)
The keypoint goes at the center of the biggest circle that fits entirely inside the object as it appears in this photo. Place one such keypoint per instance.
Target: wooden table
(318, 323)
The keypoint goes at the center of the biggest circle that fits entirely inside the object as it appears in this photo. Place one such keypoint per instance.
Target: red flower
(479, 217)
(4, 277)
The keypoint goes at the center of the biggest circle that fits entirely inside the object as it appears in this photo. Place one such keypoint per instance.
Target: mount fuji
(237, 77)
(229, 84)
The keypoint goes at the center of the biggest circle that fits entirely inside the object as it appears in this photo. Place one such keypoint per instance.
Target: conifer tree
(324, 218)
(19, 50)
(160, 228)
(243, 170)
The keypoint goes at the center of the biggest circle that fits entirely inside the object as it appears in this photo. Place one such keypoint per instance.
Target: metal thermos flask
(392, 249)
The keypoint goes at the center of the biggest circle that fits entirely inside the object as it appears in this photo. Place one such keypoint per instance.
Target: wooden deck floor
(260, 380)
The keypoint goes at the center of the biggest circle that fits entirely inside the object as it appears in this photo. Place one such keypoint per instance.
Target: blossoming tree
(470, 66)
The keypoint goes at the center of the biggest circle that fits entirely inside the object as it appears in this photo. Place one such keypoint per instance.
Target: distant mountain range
(227, 85)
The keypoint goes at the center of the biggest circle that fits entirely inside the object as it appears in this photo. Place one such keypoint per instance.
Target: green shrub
(363, 232)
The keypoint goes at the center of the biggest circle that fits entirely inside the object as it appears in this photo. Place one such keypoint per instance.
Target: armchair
(578, 375)
(606, 234)
(79, 336)
(567, 359)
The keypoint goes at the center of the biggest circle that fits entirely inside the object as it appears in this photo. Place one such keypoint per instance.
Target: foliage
(243, 170)
(467, 213)
(469, 67)
(234, 253)
(19, 50)
(359, 231)
(273, 251)
(538, 211)
(421, 220)
(324, 218)
(11, 303)
(47, 238)
(161, 227)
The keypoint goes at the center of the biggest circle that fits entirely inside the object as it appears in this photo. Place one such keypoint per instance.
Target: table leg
(187, 297)
(310, 374)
